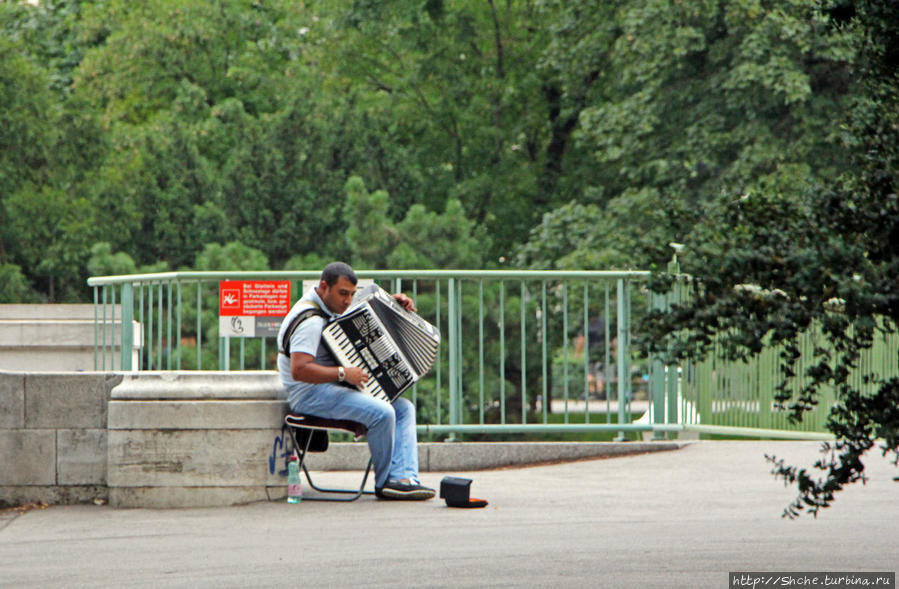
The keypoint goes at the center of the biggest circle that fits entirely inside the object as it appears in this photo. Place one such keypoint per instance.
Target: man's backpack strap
(314, 310)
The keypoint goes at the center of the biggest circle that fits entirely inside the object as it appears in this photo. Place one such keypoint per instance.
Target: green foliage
(188, 125)
(421, 240)
(698, 99)
(459, 91)
(768, 265)
(192, 158)
(59, 230)
(46, 222)
(439, 240)
(104, 263)
(224, 51)
(310, 261)
(26, 130)
(232, 256)
(370, 233)
(14, 287)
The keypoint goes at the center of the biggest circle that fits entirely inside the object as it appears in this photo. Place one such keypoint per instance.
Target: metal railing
(716, 394)
(508, 364)
(516, 355)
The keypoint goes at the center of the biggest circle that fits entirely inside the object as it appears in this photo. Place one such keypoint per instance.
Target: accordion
(395, 346)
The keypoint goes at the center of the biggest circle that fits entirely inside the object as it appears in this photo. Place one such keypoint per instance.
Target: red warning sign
(254, 298)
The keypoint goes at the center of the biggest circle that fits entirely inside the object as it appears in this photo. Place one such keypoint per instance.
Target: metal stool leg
(355, 493)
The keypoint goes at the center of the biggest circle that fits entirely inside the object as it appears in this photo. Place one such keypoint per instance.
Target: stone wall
(148, 439)
(58, 338)
(53, 440)
(185, 439)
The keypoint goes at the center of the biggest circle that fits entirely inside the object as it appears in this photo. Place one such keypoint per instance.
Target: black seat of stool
(318, 428)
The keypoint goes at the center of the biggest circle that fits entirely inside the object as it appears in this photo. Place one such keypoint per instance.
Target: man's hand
(405, 301)
(356, 376)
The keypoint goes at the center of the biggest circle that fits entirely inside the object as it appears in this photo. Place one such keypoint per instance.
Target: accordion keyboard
(347, 355)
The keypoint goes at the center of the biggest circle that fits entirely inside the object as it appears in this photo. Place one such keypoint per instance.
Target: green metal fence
(741, 394)
(523, 352)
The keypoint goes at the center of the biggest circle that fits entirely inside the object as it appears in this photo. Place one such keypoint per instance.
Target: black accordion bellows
(396, 347)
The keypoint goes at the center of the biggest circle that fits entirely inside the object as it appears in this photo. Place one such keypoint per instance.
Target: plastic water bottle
(294, 488)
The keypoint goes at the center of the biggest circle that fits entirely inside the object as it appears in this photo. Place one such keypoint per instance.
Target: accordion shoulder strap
(314, 310)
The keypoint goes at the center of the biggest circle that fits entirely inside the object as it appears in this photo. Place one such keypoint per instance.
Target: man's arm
(303, 368)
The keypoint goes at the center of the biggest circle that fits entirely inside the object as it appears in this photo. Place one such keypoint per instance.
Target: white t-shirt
(305, 339)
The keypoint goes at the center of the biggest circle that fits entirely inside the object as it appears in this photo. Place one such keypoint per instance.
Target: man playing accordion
(317, 385)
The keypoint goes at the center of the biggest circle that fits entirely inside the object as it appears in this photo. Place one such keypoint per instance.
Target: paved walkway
(682, 518)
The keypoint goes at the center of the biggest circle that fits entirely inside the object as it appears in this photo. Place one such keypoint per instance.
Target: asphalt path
(682, 518)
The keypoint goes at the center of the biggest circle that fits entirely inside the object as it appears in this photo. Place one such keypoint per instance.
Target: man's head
(337, 286)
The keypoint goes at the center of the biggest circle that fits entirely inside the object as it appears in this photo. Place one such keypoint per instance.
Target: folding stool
(310, 434)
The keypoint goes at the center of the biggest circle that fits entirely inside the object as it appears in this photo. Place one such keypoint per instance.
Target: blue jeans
(392, 436)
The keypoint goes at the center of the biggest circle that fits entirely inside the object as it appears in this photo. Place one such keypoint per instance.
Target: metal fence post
(438, 388)
(673, 383)
(96, 329)
(502, 352)
(657, 378)
(127, 342)
(624, 364)
(452, 345)
(460, 388)
(524, 371)
(104, 331)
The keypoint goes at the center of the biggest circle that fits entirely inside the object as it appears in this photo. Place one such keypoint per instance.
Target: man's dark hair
(333, 271)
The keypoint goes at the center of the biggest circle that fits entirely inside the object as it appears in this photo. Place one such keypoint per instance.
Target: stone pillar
(182, 439)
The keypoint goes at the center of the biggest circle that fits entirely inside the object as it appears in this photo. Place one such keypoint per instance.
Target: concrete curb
(350, 456)
(450, 456)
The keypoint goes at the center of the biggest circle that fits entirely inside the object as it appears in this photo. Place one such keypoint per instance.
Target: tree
(370, 233)
(462, 93)
(767, 267)
(421, 240)
(52, 34)
(228, 48)
(27, 122)
(58, 230)
(48, 147)
(695, 99)
(105, 263)
(580, 236)
(439, 240)
(184, 89)
(14, 287)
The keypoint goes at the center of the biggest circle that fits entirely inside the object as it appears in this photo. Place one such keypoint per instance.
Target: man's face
(338, 297)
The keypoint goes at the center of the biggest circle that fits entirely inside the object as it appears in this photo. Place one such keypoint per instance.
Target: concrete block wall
(195, 439)
(53, 440)
(148, 439)
(56, 338)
